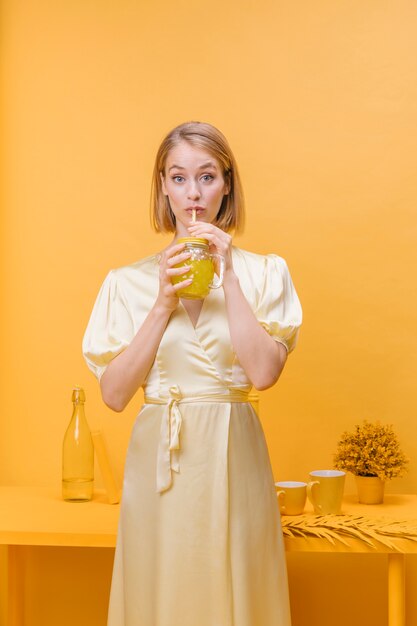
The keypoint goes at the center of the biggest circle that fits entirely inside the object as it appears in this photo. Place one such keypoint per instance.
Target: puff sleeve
(279, 309)
(110, 328)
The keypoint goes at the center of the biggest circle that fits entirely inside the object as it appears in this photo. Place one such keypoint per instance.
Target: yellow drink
(202, 273)
(78, 454)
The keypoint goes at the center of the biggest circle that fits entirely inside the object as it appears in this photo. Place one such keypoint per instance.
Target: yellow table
(38, 516)
(395, 507)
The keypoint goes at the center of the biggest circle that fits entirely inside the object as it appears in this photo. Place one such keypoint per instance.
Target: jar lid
(193, 241)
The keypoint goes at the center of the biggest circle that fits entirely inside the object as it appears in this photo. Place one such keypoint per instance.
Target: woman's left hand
(220, 242)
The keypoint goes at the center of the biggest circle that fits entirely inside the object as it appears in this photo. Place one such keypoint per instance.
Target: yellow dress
(199, 540)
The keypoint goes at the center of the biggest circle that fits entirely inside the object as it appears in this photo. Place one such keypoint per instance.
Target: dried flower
(371, 450)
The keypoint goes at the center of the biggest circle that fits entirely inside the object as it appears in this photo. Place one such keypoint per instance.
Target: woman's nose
(193, 191)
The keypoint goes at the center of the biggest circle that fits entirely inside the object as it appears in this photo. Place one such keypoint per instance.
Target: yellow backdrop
(318, 101)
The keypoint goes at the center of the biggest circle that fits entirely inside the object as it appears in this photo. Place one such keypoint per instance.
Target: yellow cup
(292, 497)
(325, 491)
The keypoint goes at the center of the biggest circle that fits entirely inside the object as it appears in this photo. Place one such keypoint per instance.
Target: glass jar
(206, 270)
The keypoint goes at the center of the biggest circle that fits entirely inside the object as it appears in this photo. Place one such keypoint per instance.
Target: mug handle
(281, 498)
(312, 488)
(218, 279)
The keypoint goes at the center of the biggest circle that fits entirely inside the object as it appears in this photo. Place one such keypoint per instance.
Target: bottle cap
(78, 395)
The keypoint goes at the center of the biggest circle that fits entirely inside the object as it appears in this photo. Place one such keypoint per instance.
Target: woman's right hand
(167, 296)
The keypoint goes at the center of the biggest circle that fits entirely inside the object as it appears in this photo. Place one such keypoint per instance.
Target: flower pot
(370, 489)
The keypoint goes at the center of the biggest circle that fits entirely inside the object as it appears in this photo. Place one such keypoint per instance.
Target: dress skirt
(209, 550)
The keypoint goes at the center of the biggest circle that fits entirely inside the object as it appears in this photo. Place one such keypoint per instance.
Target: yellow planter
(370, 489)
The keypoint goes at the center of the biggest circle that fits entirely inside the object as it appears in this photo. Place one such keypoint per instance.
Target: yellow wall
(319, 103)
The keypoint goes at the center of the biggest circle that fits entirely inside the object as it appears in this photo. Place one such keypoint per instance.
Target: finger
(199, 224)
(183, 284)
(178, 271)
(220, 244)
(201, 228)
(179, 258)
(176, 248)
(169, 252)
(210, 233)
(205, 225)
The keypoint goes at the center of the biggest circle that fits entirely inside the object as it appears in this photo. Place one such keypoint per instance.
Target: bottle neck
(78, 409)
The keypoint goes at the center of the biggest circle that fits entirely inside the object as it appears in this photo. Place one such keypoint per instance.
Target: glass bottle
(77, 454)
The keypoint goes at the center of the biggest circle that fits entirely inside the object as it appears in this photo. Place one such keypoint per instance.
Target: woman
(199, 541)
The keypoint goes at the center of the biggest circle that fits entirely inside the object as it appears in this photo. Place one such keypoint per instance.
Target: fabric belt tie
(169, 440)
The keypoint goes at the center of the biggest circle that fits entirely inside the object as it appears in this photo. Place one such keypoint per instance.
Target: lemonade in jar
(202, 269)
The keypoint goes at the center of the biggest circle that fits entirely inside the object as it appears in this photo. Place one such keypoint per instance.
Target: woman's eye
(207, 177)
(178, 179)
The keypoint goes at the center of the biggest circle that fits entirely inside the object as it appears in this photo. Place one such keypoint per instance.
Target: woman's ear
(164, 189)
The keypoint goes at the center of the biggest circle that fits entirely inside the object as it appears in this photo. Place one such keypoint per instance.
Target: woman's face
(193, 179)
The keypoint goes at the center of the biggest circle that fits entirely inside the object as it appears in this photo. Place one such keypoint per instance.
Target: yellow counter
(37, 516)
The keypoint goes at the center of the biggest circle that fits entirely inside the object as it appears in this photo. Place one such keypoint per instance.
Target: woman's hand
(220, 242)
(261, 357)
(167, 296)
(128, 370)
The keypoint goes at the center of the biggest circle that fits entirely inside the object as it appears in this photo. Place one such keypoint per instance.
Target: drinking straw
(194, 216)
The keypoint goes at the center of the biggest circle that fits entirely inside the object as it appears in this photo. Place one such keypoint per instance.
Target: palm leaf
(336, 527)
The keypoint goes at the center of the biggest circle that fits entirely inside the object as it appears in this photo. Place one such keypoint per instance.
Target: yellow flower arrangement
(371, 450)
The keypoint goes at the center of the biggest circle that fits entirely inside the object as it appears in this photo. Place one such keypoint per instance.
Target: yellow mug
(325, 491)
(292, 497)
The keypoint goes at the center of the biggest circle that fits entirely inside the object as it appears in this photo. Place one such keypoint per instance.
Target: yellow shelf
(39, 516)
(396, 507)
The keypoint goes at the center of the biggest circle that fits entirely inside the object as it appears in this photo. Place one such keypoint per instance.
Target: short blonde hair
(231, 214)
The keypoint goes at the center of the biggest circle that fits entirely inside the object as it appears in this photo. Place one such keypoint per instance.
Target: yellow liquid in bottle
(77, 489)
(78, 455)
(202, 273)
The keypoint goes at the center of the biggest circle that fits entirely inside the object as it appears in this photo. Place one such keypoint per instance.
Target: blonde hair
(231, 213)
